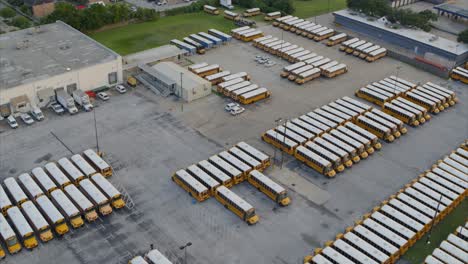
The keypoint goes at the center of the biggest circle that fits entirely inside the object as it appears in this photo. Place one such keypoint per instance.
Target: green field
(419, 251)
(137, 37)
(312, 8)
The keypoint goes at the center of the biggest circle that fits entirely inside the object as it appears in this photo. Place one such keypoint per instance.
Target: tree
(20, 22)
(7, 12)
(67, 13)
(463, 36)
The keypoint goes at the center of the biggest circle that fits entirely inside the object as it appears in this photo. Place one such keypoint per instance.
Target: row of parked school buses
(386, 233)
(236, 16)
(335, 136)
(39, 204)
(234, 85)
(304, 28)
(306, 66)
(246, 33)
(408, 101)
(202, 41)
(214, 177)
(359, 48)
(460, 74)
(453, 250)
(363, 49)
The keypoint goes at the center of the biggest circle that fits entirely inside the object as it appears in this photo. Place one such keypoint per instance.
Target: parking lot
(146, 138)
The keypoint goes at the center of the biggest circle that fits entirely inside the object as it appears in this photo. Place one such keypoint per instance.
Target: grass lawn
(312, 8)
(137, 37)
(420, 250)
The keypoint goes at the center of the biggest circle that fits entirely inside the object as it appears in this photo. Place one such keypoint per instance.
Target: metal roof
(45, 51)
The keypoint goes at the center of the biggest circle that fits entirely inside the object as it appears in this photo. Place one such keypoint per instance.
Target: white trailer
(82, 99)
(96, 196)
(66, 101)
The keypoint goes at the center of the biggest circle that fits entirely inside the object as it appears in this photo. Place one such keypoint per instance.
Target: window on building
(112, 78)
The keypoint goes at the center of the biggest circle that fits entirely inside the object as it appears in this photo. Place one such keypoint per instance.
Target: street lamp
(181, 92)
(428, 240)
(277, 124)
(284, 141)
(184, 247)
(397, 72)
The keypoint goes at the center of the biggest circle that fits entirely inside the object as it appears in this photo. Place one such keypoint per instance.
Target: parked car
(27, 119)
(120, 88)
(230, 106)
(103, 96)
(237, 110)
(12, 122)
(37, 114)
(270, 63)
(58, 109)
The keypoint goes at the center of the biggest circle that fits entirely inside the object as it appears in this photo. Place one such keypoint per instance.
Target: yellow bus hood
(46, 236)
(30, 242)
(62, 228)
(119, 203)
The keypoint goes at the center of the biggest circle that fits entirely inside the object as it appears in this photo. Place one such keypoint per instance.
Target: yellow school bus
(314, 161)
(273, 190)
(237, 205)
(191, 185)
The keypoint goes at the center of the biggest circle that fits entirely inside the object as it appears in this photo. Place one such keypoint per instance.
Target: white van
(12, 122)
(37, 114)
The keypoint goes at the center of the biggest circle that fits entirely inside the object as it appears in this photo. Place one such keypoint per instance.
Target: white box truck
(64, 99)
(82, 99)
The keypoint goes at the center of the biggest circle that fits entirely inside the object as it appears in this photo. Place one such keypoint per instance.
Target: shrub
(20, 22)
(7, 12)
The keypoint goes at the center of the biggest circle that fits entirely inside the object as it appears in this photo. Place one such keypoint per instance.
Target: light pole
(428, 240)
(184, 248)
(181, 91)
(96, 132)
(397, 72)
(277, 124)
(284, 140)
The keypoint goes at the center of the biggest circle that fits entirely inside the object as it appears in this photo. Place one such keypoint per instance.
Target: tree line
(406, 17)
(97, 16)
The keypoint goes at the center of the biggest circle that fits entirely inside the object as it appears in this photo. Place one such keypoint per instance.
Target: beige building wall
(85, 79)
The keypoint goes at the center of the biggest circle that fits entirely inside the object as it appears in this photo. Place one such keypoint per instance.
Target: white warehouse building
(35, 62)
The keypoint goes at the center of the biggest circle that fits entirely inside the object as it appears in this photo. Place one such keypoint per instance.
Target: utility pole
(181, 91)
(284, 140)
(96, 132)
(277, 124)
(184, 248)
(428, 240)
(397, 73)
